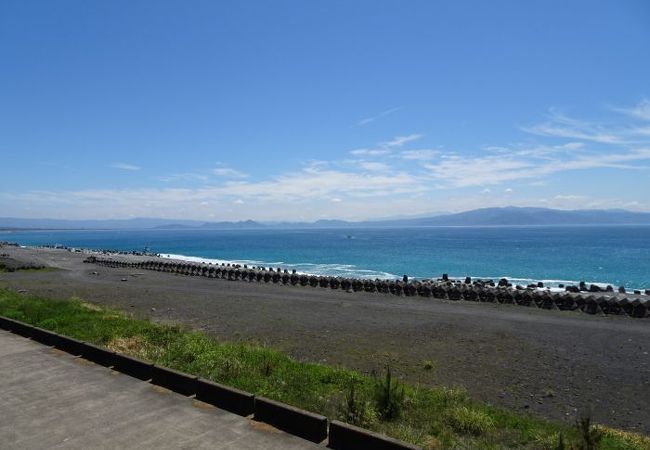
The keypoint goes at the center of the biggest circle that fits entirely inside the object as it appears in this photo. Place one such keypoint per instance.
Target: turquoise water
(618, 255)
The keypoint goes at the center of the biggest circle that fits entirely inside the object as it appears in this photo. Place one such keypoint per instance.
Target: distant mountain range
(507, 216)
(511, 215)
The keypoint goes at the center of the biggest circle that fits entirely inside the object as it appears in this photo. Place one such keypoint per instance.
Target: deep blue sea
(618, 255)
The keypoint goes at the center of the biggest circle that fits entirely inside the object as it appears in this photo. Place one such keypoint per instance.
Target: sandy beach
(549, 363)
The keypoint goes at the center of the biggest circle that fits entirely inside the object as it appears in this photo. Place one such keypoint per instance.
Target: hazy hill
(111, 224)
(242, 224)
(507, 216)
(530, 216)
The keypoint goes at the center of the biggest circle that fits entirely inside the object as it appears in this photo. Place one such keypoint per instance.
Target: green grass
(434, 417)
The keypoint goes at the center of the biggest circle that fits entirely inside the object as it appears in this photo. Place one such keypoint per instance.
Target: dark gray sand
(548, 363)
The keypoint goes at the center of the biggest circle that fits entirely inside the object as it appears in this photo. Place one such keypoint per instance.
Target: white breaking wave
(200, 259)
(516, 280)
(334, 270)
(352, 271)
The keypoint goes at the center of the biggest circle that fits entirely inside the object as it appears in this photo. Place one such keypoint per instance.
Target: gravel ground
(548, 363)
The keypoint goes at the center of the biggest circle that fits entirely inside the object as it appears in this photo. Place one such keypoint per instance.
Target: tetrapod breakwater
(586, 299)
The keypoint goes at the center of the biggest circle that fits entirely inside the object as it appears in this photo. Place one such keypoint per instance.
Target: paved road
(51, 400)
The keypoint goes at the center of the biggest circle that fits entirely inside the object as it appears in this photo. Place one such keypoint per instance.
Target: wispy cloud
(125, 166)
(308, 193)
(420, 155)
(457, 171)
(464, 171)
(399, 141)
(562, 126)
(315, 183)
(391, 177)
(227, 172)
(196, 177)
(386, 147)
(374, 166)
(591, 145)
(370, 152)
(640, 111)
(385, 113)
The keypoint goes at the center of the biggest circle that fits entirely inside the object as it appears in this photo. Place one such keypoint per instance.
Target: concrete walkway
(51, 400)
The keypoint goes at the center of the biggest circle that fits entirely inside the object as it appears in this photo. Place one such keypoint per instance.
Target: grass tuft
(466, 420)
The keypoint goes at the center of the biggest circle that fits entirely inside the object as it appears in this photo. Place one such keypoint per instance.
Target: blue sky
(306, 110)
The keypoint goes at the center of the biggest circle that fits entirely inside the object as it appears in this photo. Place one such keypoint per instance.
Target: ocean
(616, 255)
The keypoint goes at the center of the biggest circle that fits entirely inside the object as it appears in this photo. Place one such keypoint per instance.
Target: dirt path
(546, 362)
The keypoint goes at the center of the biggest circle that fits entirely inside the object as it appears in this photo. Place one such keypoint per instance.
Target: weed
(589, 435)
(389, 397)
(267, 366)
(627, 439)
(356, 409)
(469, 421)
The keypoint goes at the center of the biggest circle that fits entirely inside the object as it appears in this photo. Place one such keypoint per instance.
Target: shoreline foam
(369, 274)
(348, 270)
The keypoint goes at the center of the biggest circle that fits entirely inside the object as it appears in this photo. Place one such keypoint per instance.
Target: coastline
(505, 354)
(553, 286)
(600, 255)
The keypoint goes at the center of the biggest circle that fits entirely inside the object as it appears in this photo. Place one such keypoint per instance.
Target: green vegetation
(436, 418)
(15, 268)
(389, 397)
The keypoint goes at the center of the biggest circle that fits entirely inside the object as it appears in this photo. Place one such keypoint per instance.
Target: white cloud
(407, 181)
(562, 126)
(464, 171)
(611, 160)
(569, 197)
(571, 146)
(479, 171)
(184, 177)
(124, 166)
(643, 131)
(387, 147)
(303, 194)
(369, 120)
(639, 111)
(399, 141)
(374, 166)
(370, 152)
(420, 155)
(315, 183)
(227, 172)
